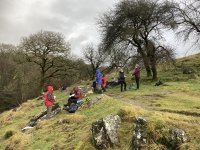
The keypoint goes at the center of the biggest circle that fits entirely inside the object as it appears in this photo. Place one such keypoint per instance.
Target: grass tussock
(8, 134)
(19, 141)
(74, 118)
(31, 104)
(129, 114)
(9, 117)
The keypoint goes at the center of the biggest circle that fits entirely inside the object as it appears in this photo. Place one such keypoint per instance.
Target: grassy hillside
(176, 104)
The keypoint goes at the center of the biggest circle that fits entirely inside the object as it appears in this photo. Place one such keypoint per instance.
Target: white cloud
(76, 19)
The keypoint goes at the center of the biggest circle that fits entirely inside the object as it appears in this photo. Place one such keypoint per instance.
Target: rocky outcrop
(171, 140)
(178, 137)
(104, 132)
(41, 116)
(140, 134)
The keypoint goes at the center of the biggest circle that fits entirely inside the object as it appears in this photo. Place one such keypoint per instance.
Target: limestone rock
(104, 132)
(178, 137)
(140, 134)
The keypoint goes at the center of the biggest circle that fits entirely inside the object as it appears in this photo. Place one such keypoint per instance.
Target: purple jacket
(137, 72)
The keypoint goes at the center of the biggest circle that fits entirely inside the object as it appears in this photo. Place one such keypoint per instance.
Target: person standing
(122, 80)
(98, 79)
(49, 100)
(104, 82)
(137, 76)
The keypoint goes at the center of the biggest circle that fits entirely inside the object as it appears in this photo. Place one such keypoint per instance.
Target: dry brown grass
(8, 117)
(128, 113)
(73, 118)
(18, 141)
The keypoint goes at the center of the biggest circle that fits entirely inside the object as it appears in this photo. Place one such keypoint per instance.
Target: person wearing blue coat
(98, 78)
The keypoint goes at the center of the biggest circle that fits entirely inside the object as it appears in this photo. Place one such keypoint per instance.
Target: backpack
(73, 107)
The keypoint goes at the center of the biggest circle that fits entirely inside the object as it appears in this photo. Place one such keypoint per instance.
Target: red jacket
(104, 80)
(77, 92)
(49, 97)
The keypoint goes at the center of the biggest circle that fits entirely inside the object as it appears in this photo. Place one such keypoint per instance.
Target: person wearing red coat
(49, 100)
(104, 81)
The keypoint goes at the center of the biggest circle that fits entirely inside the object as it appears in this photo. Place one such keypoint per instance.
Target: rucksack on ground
(73, 107)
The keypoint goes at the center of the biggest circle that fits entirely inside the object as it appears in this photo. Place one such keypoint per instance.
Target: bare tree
(120, 55)
(44, 49)
(187, 19)
(95, 57)
(165, 54)
(136, 23)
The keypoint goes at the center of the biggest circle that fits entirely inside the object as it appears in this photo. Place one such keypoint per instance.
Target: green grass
(76, 134)
(49, 132)
(175, 105)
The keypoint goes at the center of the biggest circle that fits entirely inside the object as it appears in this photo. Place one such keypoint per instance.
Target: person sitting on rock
(75, 97)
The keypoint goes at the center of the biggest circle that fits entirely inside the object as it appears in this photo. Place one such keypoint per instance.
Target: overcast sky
(76, 19)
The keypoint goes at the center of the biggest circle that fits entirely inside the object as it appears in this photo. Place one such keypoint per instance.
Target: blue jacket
(98, 77)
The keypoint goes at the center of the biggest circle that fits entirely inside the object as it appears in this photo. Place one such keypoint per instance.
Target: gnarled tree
(137, 23)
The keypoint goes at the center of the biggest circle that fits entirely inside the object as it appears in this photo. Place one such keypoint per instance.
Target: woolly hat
(137, 66)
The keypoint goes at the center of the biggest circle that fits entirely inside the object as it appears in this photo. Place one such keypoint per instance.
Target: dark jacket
(137, 72)
(121, 76)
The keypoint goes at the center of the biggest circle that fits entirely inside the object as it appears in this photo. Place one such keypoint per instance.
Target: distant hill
(192, 61)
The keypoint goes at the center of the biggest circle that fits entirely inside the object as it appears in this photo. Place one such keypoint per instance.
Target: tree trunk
(146, 63)
(153, 67)
(148, 70)
(93, 73)
(154, 71)
(151, 50)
